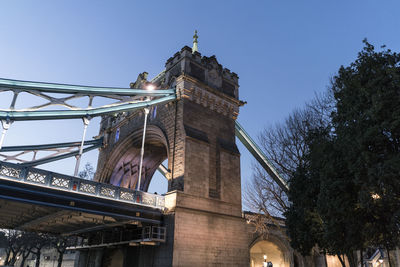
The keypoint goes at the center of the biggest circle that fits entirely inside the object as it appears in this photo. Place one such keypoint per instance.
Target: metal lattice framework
(60, 107)
(124, 100)
(55, 152)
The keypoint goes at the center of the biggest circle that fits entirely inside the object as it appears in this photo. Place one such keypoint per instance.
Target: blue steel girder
(257, 153)
(129, 100)
(59, 151)
(126, 100)
(49, 146)
(7, 84)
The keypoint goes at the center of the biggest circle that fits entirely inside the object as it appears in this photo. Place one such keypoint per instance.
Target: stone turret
(196, 133)
(205, 69)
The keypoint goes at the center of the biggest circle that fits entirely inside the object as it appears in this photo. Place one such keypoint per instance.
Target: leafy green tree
(302, 219)
(338, 203)
(347, 196)
(367, 126)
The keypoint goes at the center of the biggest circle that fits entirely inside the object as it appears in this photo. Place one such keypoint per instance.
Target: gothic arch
(122, 166)
(277, 250)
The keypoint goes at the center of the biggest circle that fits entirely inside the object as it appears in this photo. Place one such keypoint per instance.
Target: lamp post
(6, 125)
(149, 87)
(86, 121)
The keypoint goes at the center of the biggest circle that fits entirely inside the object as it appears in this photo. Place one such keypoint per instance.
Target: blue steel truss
(127, 100)
(59, 151)
(255, 150)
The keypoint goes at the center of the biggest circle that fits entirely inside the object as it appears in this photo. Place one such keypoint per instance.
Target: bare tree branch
(284, 144)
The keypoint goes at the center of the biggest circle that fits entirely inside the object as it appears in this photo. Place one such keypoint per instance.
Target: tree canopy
(346, 196)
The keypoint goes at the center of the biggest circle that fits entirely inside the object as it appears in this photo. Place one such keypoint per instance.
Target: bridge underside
(95, 230)
(30, 199)
(32, 217)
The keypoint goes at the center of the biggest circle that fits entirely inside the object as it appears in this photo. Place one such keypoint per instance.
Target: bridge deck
(34, 199)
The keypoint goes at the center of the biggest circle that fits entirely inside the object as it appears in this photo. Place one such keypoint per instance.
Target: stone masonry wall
(204, 199)
(204, 239)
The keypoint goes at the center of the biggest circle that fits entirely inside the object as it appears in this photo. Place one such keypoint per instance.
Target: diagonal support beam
(14, 115)
(59, 151)
(55, 158)
(98, 141)
(163, 170)
(124, 100)
(255, 150)
(8, 84)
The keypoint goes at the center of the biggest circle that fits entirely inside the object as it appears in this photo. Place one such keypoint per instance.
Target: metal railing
(43, 178)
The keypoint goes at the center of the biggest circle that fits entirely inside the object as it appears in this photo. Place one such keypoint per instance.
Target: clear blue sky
(283, 51)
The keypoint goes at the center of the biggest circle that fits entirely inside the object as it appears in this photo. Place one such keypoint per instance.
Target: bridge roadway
(38, 200)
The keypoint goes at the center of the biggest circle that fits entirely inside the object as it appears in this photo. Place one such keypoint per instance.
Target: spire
(195, 48)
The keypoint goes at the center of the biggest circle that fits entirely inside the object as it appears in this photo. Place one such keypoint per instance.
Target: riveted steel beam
(255, 150)
(48, 146)
(8, 84)
(77, 114)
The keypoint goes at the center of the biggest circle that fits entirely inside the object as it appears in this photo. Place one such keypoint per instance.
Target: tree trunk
(352, 260)
(361, 258)
(7, 260)
(341, 261)
(13, 259)
(60, 258)
(37, 258)
(390, 263)
(325, 260)
(10, 257)
(22, 262)
(24, 257)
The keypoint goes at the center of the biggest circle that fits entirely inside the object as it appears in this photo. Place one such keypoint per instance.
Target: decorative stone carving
(204, 69)
(141, 79)
(212, 99)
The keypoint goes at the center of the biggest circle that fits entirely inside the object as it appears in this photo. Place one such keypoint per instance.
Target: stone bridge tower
(196, 134)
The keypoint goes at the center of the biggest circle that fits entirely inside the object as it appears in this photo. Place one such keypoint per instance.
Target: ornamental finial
(194, 47)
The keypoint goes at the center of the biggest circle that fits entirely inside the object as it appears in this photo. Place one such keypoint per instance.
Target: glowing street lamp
(150, 87)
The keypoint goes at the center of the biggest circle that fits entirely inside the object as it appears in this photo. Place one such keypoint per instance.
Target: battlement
(205, 69)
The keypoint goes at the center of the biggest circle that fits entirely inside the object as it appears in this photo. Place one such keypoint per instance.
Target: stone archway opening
(125, 161)
(159, 183)
(272, 251)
